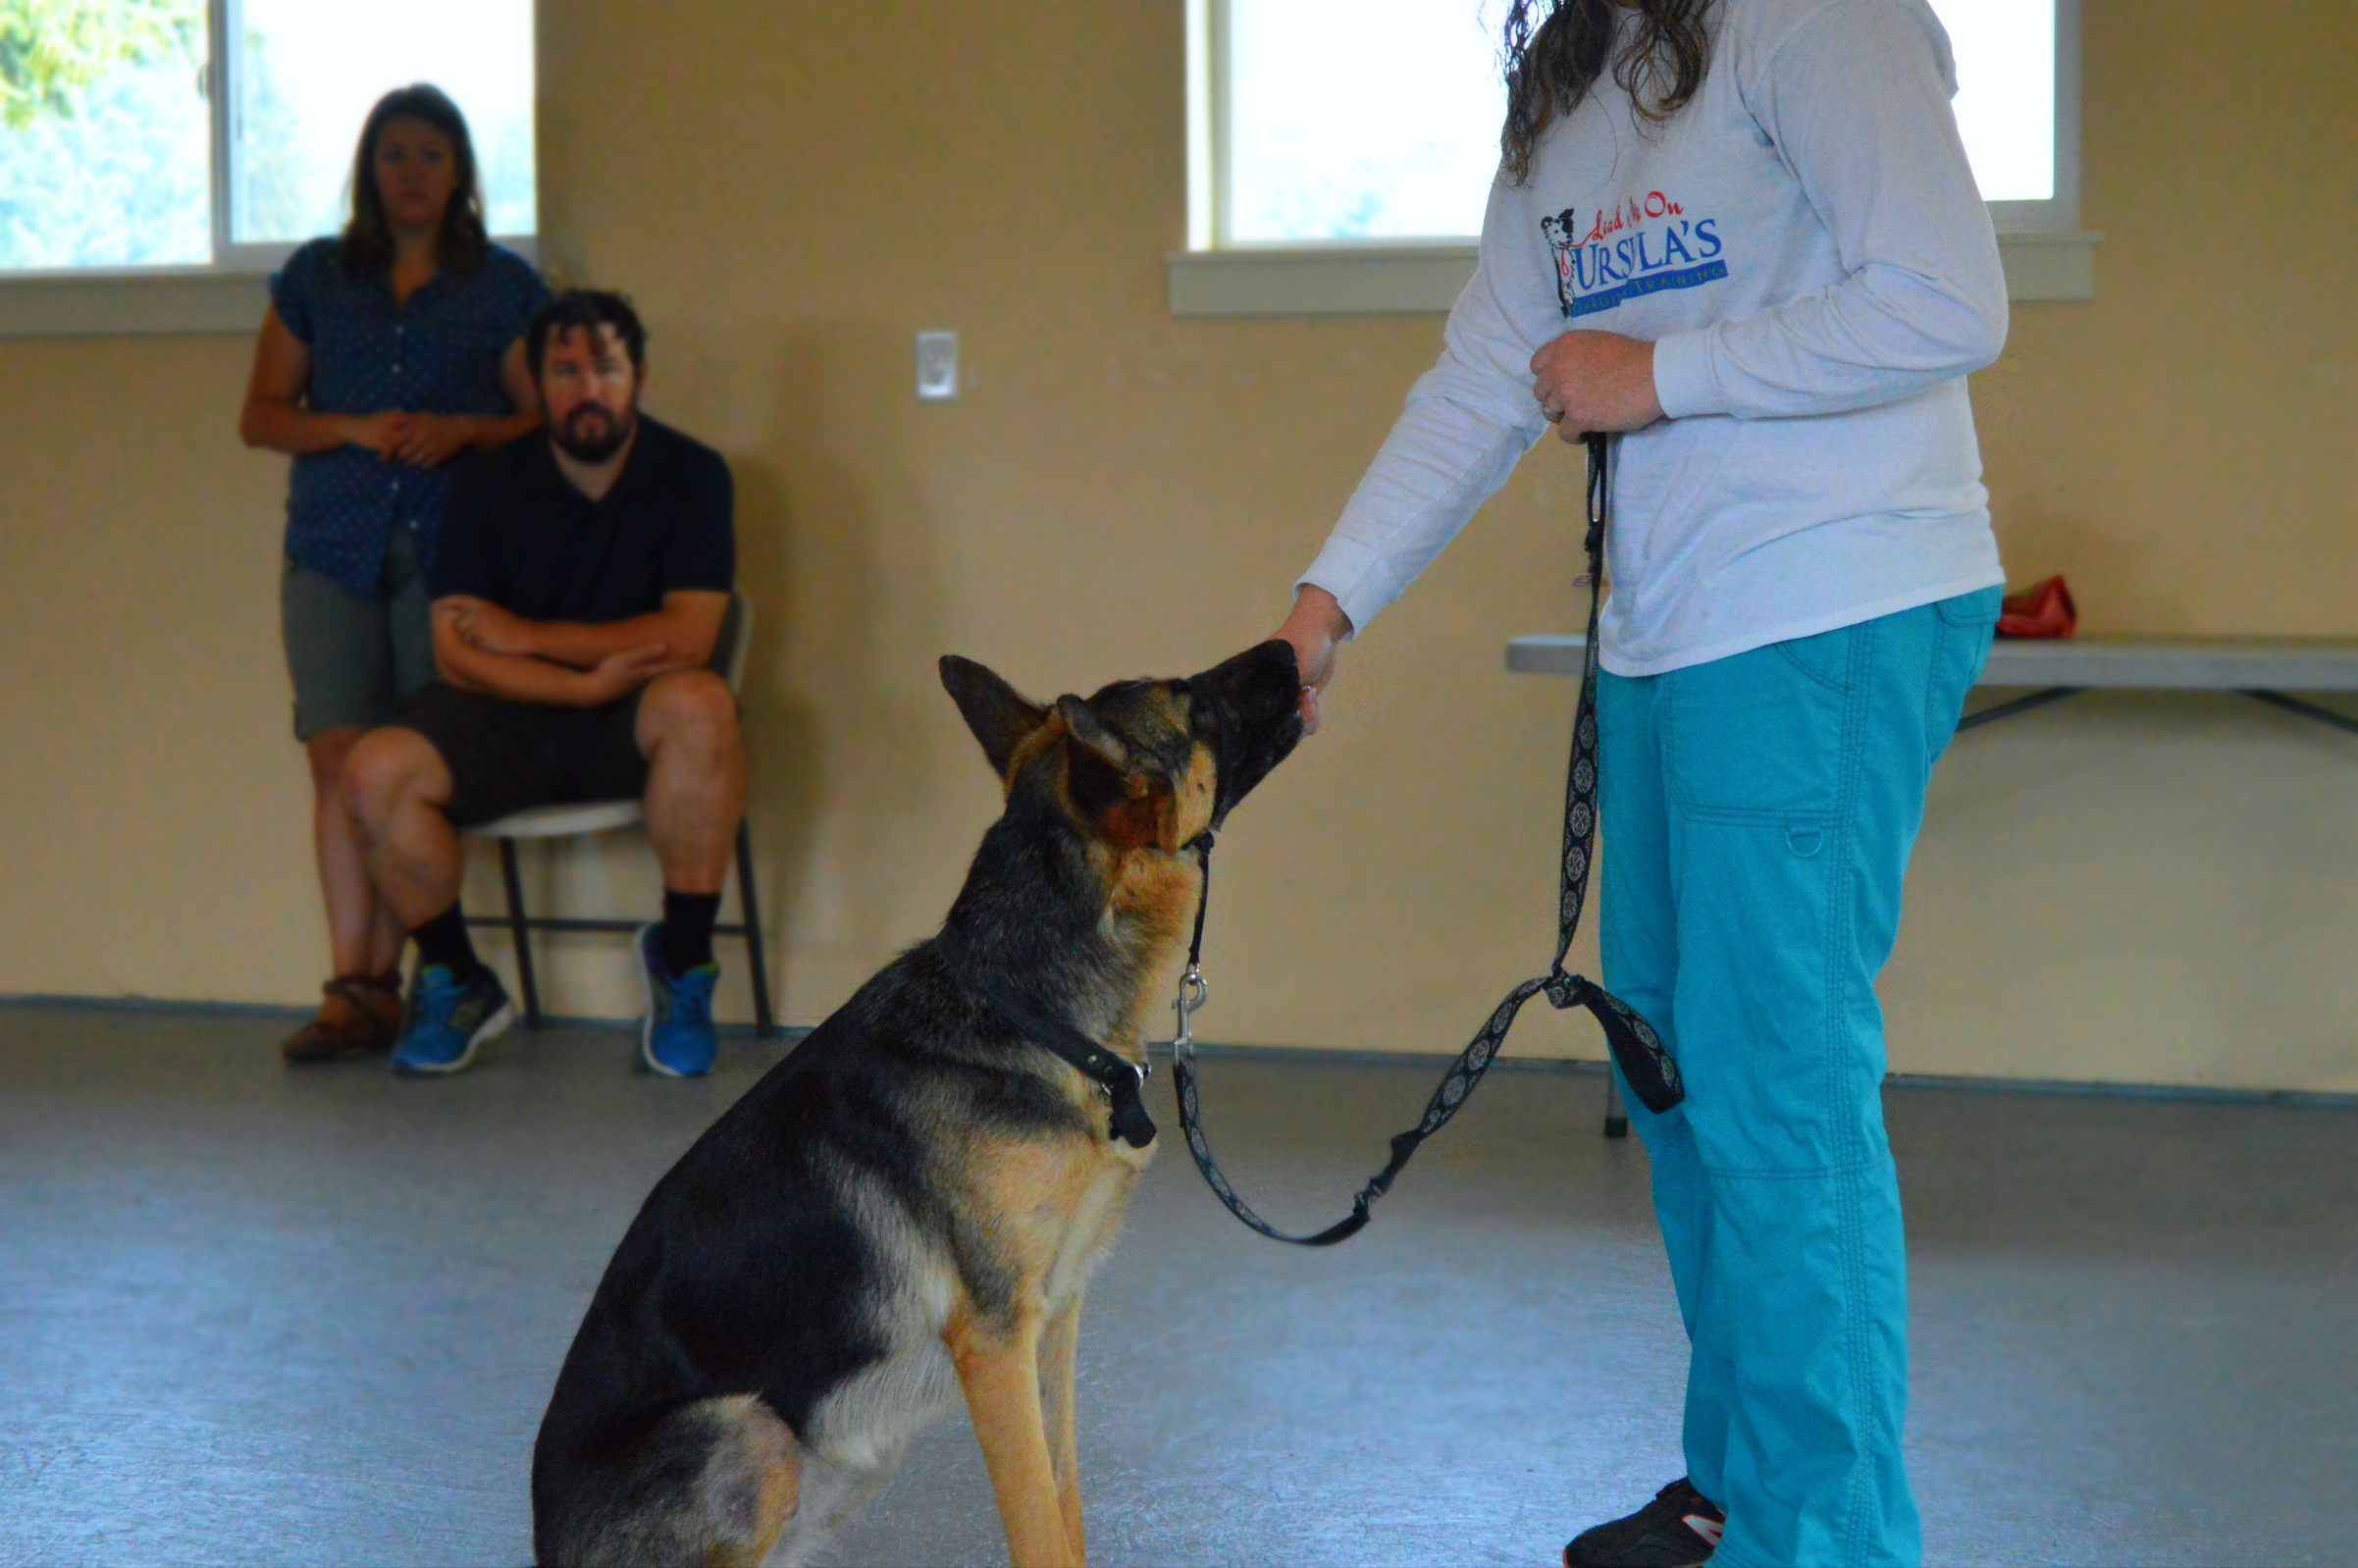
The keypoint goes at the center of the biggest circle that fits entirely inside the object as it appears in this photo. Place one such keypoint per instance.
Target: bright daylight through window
(1395, 135)
(109, 127)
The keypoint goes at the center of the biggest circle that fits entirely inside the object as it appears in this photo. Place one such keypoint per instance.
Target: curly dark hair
(1556, 49)
(585, 310)
(366, 249)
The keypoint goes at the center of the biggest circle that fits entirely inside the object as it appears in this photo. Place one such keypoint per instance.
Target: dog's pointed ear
(992, 709)
(1128, 808)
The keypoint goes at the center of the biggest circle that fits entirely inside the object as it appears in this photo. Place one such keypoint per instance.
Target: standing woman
(384, 353)
(1744, 235)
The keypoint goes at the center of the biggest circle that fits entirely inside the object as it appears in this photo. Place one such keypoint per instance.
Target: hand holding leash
(1594, 383)
(1639, 1054)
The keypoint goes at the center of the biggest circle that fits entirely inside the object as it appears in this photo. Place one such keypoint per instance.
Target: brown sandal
(371, 1020)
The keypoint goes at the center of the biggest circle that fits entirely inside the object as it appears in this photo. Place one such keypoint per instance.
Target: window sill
(2060, 265)
(94, 303)
(1399, 280)
(153, 301)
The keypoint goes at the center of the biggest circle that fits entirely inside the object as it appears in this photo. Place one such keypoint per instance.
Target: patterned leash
(1638, 1051)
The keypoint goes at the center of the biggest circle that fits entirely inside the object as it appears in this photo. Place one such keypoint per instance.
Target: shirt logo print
(1643, 247)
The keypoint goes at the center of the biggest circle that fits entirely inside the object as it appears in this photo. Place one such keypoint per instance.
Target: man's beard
(611, 432)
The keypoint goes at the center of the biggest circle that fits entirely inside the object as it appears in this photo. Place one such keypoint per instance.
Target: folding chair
(600, 817)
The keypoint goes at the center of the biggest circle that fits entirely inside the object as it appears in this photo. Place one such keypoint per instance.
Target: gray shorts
(355, 659)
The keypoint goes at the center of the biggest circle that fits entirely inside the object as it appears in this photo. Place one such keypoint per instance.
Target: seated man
(580, 587)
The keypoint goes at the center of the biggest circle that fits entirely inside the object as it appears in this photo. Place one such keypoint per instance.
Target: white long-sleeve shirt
(1805, 246)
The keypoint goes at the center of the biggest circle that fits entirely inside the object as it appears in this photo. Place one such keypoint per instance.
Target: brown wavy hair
(1556, 49)
(366, 249)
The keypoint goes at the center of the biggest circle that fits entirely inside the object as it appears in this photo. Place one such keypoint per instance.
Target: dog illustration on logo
(908, 1207)
(1562, 234)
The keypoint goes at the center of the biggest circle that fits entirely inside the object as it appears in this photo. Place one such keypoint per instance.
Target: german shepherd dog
(908, 1205)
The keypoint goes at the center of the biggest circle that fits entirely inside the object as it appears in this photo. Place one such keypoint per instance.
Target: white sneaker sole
(647, 1056)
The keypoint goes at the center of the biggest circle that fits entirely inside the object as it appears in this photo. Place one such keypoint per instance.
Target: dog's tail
(713, 1482)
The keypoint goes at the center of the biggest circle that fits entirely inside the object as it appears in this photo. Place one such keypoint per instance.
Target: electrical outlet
(937, 367)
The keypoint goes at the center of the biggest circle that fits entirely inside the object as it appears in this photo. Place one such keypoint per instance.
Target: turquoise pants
(1758, 815)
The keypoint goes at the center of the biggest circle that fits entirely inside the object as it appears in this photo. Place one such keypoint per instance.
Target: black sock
(444, 940)
(688, 929)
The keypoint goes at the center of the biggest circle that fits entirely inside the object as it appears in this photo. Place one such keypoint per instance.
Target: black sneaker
(1679, 1529)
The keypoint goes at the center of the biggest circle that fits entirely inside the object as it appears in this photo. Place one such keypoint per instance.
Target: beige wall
(2137, 890)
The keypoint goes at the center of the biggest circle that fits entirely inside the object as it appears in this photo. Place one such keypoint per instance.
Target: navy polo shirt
(518, 533)
(438, 354)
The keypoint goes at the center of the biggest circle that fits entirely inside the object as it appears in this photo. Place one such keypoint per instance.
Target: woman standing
(384, 353)
(1743, 233)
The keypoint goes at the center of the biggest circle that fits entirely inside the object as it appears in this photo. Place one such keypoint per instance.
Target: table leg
(2308, 710)
(2019, 704)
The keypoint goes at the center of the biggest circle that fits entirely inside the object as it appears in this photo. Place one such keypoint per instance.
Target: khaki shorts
(355, 660)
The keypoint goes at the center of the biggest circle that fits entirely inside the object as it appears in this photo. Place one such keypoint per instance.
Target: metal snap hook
(1193, 992)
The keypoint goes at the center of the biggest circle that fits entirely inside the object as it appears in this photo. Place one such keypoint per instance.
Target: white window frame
(226, 294)
(2058, 215)
(2046, 253)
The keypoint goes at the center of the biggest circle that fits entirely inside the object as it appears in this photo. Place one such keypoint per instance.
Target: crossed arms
(478, 646)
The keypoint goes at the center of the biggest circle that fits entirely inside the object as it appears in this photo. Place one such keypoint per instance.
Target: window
(2018, 106)
(1340, 151)
(140, 134)
(1392, 135)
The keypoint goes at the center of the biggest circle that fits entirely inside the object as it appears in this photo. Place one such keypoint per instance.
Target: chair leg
(1616, 1119)
(764, 1027)
(517, 932)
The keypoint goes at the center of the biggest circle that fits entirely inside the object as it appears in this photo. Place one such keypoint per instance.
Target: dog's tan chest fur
(1095, 1221)
(1055, 1209)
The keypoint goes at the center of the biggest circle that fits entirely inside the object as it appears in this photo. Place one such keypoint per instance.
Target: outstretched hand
(1316, 629)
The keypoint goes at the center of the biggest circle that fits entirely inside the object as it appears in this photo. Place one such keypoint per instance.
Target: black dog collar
(1120, 1078)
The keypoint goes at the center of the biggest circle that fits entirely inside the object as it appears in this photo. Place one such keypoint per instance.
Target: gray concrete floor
(255, 1316)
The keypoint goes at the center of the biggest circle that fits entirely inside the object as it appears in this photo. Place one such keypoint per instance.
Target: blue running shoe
(449, 1021)
(678, 1039)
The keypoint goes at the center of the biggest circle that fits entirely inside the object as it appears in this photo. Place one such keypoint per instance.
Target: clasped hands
(1583, 381)
(422, 441)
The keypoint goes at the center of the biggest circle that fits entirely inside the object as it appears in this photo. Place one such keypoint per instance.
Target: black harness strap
(1638, 1051)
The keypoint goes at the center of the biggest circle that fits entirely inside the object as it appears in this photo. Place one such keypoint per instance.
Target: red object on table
(2043, 610)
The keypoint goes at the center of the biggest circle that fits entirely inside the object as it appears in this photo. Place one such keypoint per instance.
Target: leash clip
(1193, 992)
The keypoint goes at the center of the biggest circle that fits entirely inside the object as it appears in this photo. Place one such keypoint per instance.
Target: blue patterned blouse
(437, 354)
